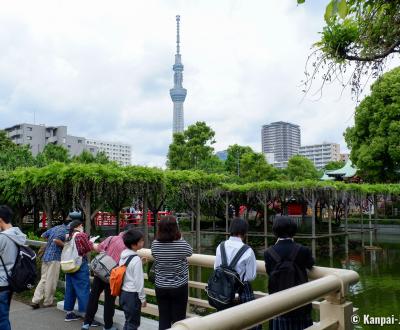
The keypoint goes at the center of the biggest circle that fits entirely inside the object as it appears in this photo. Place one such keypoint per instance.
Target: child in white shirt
(132, 297)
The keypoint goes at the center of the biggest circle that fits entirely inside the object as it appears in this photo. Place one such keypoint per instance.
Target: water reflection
(378, 291)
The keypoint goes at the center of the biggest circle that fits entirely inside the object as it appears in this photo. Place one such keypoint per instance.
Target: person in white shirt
(246, 266)
(132, 297)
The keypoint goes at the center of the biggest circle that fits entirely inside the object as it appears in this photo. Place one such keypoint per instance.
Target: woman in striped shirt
(170, 251)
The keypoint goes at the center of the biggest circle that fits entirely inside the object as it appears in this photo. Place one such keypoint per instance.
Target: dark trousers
(172, 303)
(98, 287)
(5, 299)
(132, 306)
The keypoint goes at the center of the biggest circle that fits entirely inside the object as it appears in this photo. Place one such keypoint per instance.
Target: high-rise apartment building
(118, 152)
(321, 154)
(38, 136)
(282, 140)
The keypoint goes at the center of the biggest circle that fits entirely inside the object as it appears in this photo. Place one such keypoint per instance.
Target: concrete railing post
(341, 313)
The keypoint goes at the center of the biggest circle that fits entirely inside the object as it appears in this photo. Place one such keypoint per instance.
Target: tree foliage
(360, 32)
(374, 140)
(334, 165)
(88, 158)
(254, 167)
(52, 153)
(301, 168)
(234, 154)
(192, 148)
(12, 155)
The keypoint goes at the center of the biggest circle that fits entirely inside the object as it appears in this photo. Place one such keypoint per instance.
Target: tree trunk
(117, 221)
(198, 229)
(145, 223)
(85, 204)
(313, 239)
(226, 216)
(36, 219)
(265, 222)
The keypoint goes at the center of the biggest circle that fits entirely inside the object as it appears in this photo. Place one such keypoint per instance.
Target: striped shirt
(171, 266)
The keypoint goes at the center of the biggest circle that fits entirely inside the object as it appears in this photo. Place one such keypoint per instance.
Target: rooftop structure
(346, 173)
(178, 93)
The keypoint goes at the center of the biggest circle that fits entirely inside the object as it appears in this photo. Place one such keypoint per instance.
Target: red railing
(107, 219)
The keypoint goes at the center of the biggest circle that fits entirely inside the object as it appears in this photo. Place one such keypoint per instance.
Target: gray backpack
(103, 264)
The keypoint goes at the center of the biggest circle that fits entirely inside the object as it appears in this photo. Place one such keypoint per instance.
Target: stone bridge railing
(326, 290)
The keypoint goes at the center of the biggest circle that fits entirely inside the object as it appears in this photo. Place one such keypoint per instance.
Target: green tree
(190, 149)
(334, 165)
(235, 152)
(212, 165)
(87, 157)
(374, 139)
(12, 155)
(254, 167)
(5, 141)
(360, 32)
(300, 168)
(52, 153)
(101, 158)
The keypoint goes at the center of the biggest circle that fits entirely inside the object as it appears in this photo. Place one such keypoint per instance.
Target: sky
(104, 69)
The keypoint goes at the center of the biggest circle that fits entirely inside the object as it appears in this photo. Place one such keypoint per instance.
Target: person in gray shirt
(10, 237)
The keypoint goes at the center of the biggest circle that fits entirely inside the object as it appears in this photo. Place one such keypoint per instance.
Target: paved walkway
(23, 317)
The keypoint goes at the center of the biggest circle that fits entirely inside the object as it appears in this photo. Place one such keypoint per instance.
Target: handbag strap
(109, 243)
(1, 258)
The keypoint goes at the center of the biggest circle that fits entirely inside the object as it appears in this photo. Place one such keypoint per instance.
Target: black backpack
(224, 283)
(286, 273)
(23, 273)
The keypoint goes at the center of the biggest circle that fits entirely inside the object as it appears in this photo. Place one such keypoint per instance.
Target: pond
(378, 291)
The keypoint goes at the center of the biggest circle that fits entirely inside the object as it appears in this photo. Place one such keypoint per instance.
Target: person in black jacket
(300, 260)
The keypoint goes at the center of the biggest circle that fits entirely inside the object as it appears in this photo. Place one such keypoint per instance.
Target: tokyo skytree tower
(178, 93)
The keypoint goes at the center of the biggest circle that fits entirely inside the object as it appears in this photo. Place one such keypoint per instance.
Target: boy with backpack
(11, 242)
(286, 264)
(132, 297)
(234, 268)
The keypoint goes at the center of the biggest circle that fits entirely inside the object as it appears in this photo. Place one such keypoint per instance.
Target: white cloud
(104, 69)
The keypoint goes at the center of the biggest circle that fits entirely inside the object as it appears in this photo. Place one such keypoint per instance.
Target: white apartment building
(321, 154)
(118, 152)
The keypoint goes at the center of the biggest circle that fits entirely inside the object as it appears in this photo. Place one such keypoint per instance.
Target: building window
(91, 149)
(69, 146)
(29, 129)
(29, 137)
(79, 141)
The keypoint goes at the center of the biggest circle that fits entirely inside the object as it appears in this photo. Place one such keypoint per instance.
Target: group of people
(171, 269)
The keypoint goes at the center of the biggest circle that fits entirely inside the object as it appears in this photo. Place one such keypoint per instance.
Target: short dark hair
(6, 213)
(132, 237)
(129, 227)
(284, 227)
(73, 224)
(238, 227)
(168, 230)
